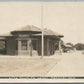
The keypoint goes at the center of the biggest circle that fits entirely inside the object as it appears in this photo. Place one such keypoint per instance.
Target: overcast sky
(66, 18)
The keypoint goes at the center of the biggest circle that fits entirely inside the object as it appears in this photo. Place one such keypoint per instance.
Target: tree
(79, 46)
(70, 44)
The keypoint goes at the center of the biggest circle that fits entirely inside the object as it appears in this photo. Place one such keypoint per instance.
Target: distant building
(27, 41)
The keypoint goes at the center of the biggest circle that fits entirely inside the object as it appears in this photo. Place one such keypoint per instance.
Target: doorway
(2, 47)
(34, 47)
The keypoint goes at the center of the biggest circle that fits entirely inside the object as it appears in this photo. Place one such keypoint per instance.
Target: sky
(66, 18)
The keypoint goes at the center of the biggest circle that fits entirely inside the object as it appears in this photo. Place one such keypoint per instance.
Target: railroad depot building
(28, 41)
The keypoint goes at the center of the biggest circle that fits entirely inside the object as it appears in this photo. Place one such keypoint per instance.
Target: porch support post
(48, 53)
(30, 47)
(19, 46)
(60, 50)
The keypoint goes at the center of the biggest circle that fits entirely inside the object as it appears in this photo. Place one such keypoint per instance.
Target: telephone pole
(42, 32)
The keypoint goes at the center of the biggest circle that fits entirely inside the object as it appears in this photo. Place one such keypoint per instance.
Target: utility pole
(42, 32)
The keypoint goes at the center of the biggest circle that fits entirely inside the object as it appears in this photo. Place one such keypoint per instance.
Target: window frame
(24, 45)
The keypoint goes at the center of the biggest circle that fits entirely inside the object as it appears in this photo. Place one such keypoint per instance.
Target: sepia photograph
(41, 38)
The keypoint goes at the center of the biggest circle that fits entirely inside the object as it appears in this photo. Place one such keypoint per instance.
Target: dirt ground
(72, 64)
(67, 64)
(26, 66)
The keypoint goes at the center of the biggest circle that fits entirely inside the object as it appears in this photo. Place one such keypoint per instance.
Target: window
(24, 45)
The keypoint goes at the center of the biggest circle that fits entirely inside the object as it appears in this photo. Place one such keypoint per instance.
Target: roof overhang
(2, 38)
(26, 32)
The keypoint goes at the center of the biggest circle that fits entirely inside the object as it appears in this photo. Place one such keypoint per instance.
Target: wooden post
(30, 47)
(60, 50)
(48, 46)
(54, 47)
(19, 46)
(30, 44)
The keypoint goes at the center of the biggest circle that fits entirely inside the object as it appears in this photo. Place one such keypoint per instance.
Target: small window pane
(24, 44)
